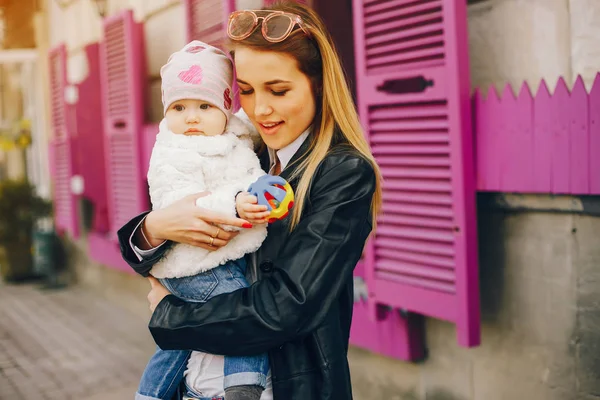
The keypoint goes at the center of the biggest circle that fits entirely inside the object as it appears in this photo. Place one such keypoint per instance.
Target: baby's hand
(248, 209)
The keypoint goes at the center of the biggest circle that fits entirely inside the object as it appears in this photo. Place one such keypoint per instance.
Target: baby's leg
(245, 377)
(162, 375)
(164, 372)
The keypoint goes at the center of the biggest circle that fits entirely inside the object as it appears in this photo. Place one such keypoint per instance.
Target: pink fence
(542, 143)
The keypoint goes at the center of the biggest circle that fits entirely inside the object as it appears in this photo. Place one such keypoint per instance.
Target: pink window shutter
(63, 161)
(413, 99)
(392, 333)
(206, 20)
(91, 140)
(123, 75)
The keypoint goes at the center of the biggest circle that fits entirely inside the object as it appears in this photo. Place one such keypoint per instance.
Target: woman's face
(275, 94)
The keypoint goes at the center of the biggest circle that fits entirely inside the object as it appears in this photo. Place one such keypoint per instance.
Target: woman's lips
(270, 128)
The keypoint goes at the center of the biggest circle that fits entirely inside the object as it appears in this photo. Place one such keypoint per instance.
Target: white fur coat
(223, 165)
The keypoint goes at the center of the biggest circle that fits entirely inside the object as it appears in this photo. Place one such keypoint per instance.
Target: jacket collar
(285, 154)
(296, 159)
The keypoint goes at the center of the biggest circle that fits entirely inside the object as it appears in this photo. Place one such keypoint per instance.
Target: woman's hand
(157, 292)
(184, 222)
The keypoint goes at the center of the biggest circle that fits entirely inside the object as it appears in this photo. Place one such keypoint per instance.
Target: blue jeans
(164, 372)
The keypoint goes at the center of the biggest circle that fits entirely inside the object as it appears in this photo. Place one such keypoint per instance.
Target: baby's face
(195, 117)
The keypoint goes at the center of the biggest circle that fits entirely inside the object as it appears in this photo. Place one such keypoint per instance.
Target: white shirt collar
(285, 154)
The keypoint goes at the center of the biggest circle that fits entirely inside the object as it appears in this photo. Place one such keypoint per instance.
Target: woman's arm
(313, 267)
(132, 228)
(181, 222)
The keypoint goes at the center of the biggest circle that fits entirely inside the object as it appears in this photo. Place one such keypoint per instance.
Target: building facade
(501, 303)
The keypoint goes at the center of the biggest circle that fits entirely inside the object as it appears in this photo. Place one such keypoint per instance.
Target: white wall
(512, 41)
(515, 40)
(585, 39)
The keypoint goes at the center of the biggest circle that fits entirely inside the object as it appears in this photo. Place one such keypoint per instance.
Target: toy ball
(274, 192)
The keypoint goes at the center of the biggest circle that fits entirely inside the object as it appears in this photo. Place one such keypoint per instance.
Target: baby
(202, 146)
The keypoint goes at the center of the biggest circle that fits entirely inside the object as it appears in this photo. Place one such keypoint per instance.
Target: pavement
(68, 344)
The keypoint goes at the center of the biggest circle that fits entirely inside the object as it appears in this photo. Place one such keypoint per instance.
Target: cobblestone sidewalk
(68, 344)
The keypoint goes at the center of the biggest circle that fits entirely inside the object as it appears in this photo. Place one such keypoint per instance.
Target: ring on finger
(217, 234)
(212, 239)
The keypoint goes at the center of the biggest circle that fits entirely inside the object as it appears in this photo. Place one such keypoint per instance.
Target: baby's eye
(205, 106)
(178, 107)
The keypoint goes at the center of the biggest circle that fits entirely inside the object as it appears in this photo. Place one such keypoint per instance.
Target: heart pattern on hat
(192, 75)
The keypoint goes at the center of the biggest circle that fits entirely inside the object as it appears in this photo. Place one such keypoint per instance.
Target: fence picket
(519, 166)
(494, 112)
(594, 132)
(560, 138)
(506, 136)
(480, 125)
(578, 111)
(542, 126)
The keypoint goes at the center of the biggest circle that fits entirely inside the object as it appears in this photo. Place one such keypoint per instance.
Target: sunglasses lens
(277, 26)
(241, 25)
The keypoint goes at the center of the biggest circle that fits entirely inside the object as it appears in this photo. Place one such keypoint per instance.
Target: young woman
(299, 308)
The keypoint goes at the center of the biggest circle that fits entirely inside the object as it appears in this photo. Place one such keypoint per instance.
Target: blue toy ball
(274, 192)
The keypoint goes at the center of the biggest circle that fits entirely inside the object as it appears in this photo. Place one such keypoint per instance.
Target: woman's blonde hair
(336, 116)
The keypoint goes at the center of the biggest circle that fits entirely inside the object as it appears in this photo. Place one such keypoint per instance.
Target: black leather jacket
(299, 309)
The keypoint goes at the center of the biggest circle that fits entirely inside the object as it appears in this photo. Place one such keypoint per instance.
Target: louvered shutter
(91, 140)
(413, 97)
(123, 74)
(392, 333)
(63, 162)
(206, 20)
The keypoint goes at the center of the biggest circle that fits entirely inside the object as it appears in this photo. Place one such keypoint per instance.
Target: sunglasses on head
(276, 25)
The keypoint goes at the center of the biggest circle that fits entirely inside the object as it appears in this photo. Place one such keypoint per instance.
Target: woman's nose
(262, 108)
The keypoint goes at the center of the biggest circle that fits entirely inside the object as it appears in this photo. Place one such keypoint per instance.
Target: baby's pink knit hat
(199, 71)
